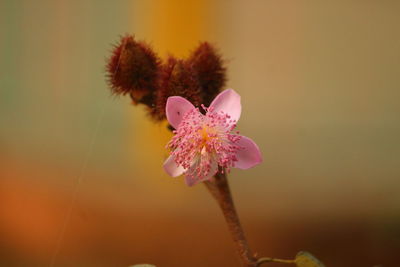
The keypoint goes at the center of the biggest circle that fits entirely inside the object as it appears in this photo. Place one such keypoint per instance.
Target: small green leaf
(305, 259)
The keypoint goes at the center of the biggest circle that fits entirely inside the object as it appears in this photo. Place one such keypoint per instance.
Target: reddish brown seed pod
(210, 69)
(133, 69)
(177, 78)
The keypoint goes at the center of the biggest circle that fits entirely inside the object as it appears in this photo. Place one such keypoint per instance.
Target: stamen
(203, 141)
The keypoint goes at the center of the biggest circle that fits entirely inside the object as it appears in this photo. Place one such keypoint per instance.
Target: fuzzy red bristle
(133, 68)
(210, 69)
(177, 78)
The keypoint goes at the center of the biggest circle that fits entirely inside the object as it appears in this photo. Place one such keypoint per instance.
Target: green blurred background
(320, 92)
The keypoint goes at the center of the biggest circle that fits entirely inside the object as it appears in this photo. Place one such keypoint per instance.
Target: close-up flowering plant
(199, 133)
(205, 145)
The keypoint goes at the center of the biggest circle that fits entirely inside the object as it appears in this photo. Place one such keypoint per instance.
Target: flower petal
(172, 168)
(228, 101)
(249, 156)
(176, 108)
(190, 181)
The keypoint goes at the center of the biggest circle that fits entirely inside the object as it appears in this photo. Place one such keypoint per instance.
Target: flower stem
(219, 188)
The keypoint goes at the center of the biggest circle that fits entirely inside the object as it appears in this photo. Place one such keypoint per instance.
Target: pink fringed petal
(172, 168)
(190, 181)
(176, 108)
(249, 156)
(228, 101)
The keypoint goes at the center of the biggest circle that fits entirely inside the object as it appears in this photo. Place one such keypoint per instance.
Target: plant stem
(219, 188)
(266, 260)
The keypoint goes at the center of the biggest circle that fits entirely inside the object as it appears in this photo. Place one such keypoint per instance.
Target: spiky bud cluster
(211, 73)
(135, 69)
(178, 78)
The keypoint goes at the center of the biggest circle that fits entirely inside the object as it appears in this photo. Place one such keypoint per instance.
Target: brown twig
(219, 188)
(267, 259)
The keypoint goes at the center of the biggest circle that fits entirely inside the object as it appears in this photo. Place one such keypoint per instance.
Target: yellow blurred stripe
(178, 25)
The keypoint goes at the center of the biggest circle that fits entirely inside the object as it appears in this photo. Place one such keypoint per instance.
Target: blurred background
(81, 182)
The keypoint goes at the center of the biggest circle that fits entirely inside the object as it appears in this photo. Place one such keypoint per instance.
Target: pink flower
(206, 143)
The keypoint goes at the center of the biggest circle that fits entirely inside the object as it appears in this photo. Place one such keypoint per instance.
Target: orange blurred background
(81, 182)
